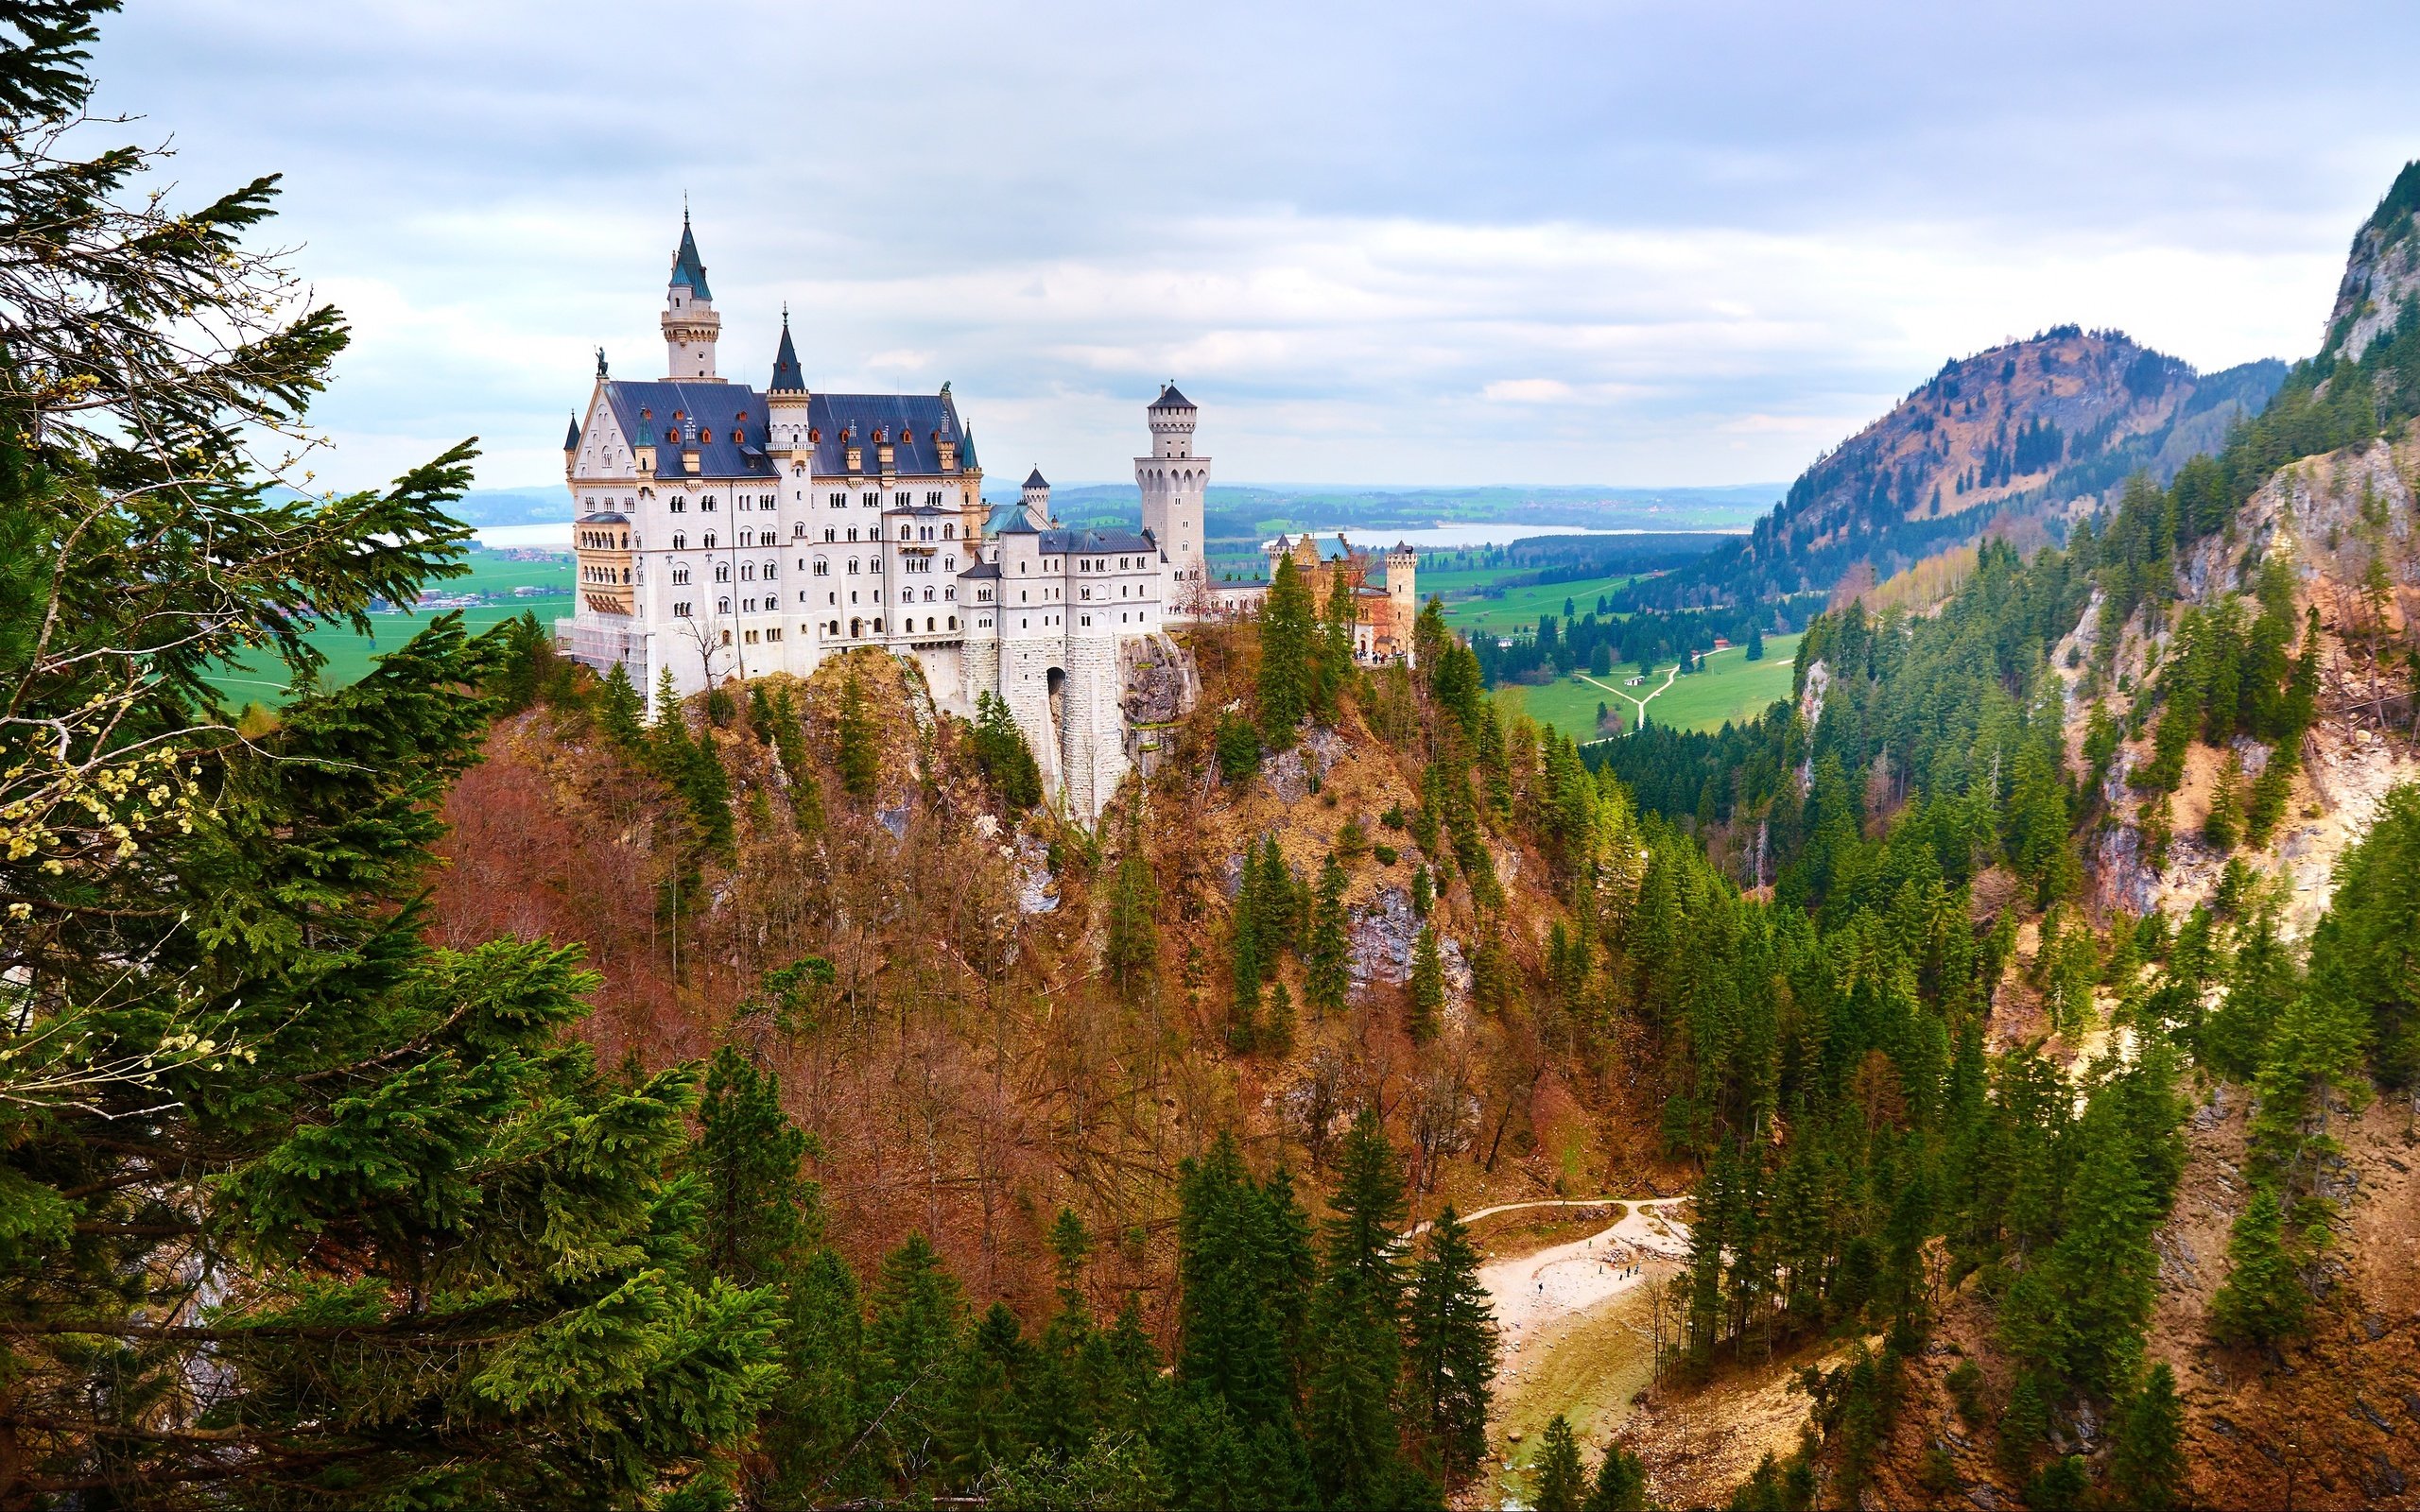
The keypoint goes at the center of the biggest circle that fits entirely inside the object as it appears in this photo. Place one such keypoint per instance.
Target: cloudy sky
(1614, 243)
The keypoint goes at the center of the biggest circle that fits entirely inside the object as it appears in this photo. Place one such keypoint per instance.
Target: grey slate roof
(687, 269)
(603, 517)
(788, 378)
(1094, 542)
(915, 424)
(1035, 480)
(1171, 399)
(571, 441)
(648, 412)
(915, 421)
(983, 569)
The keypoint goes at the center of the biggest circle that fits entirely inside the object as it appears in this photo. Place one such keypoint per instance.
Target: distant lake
(1446, 537)
(1455, 538)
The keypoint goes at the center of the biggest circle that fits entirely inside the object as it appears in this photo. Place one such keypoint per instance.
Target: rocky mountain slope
(2040, 429)
(2380, 274)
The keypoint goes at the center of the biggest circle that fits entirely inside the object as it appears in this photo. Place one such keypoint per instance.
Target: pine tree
(1755, 642)
(416, 1248)
(618, 709)
(1560, 1483)
(789, 749)
(1328, 953)
(1244, 977)
(1132, 952)
(1621, 1483)
(2147, 1470)
(1428, 987)
(669, 734)
(860, 738)
(1276, 904)
(1276, 1033)
(707, 787)
(914, 1347)
(1353, 1433)
(2262, 1300)
(1335, 641)
(759, 1213)
(1450, 1350)
(1287, 654)
(1001, 751)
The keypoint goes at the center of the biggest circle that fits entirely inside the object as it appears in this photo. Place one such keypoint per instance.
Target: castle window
(681, 609)
(822, 567)
(950, 564)
(679, 504)
(679, 574)
(726, 637)
(747, 571)
(1087, 619)
(948, 532)
(680, 541)
(722, 606)
(773, 634)
(953, 622)
(706, 505)
(722, 570)
(839, 501)
(797, 531)
(950, 593)
(852, 564)
(902, 532)
(710, 540)
(852, 532)
(751, 637)
(772, 569)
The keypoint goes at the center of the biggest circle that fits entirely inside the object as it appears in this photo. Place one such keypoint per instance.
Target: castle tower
(689, 321)
(1403, 596)
(1037, 499)
(1172, 480)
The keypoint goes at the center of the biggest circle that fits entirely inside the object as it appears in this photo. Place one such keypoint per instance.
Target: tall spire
(787, 378)
(686, 266)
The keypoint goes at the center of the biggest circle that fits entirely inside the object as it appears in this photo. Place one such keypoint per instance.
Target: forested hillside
(2012, 439)
(461, 1089)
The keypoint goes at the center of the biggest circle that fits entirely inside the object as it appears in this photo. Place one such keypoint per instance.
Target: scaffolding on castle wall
(599, 647)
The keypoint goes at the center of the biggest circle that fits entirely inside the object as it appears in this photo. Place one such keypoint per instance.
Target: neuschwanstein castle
(723, 532)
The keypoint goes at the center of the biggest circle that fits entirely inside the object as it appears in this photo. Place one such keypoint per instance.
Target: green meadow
(1520, 608)
(261, 679)
(1731, 690)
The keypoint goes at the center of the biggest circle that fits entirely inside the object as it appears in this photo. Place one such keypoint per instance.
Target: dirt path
(1537, 1291)
(1670, 678)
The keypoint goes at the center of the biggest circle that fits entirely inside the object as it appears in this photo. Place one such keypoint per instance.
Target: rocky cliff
(2381, 273)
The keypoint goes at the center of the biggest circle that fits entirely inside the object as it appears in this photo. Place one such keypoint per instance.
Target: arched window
(710, 540)
(852, 564)
(797, 531)
(680, 541)
(723, 571)
(747, 571)
(681, 575)
(949, 533)
(773, 571)
(722, 606)
(822, 568)
(902, 532)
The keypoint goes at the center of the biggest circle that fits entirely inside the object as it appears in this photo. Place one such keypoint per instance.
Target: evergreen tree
(1328, 953)
(1243, 1011)
(1276, 1033)
(707, 788)
(1001, 751)
(2147, 1470)
(304, 1209)
(789, 749)
(669, 734)
(1132, 952)
(2262, 1300)
(1562, 1485)
(1755, 642)
(1353, 1433)
(1288, 655)
(1428, 987)
(1450, 1345)
(1621, 1483)
(860, 738)
(618, 711)
(913, 1349)
(759, 1213)
(1336, 641)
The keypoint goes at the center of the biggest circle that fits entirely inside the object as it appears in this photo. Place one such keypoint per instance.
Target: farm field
(1520, 608)
(1732, 689)
(260, 680)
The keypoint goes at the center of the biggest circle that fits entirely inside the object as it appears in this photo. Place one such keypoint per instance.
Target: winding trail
(1670, 678)
(1537, 1291)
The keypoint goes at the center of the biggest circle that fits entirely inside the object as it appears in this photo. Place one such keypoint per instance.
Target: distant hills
(2036, 431)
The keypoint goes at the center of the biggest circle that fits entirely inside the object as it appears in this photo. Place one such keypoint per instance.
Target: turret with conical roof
(790, 433)
(689, 321)
(1174, 481)
(1037, 499)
